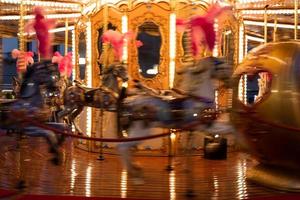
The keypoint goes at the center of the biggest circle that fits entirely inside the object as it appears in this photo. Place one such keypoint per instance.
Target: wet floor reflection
(241, 179)
(73, 176)
(172, 185)
(124, 183)
(88, 181)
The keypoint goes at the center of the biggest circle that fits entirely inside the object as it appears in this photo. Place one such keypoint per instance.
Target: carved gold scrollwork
(97, 20)
(159, 16)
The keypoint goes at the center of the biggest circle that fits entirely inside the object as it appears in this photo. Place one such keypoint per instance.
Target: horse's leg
(73, 116)
(136, 130)
(66, 111)
(189, 166)
(51, 138)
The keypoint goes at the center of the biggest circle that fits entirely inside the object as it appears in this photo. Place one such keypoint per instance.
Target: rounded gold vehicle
(266, 112)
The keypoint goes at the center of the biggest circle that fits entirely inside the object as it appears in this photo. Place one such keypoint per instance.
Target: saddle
(83, 87)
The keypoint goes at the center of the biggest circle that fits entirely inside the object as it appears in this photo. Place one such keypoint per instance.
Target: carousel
(149, 99)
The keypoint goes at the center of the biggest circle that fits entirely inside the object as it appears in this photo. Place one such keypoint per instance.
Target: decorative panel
(148, 12)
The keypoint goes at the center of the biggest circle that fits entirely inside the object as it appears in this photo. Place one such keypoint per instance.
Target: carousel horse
(105, 97)
(30, 106)
(191, 108)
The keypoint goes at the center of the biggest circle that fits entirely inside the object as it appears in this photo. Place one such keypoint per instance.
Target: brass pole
(21, 28)
(66, 35)
(104, 52)
(266, 24)
(275, 29)
(296, 19)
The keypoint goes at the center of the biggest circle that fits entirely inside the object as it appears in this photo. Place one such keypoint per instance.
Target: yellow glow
(172, 185)
(216, 27)
(125, 30)
(44, 3)
(241, 43)
(173, 136)
(51, 16)
(73, 55)
(241, 180)
(172, 52)
(55, 30)
(89, 75)
(287, 26)
(124, 184)
(88, 181)
(257, 39)
(217, 99)
(73, 176)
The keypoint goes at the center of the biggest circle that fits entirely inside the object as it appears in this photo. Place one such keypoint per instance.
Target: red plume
(41, 25)
(202, 27)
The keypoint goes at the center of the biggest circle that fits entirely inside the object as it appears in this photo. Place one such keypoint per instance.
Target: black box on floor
(215, 147)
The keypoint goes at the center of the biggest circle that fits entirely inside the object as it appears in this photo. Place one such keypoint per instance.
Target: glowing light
(216, 188)
(88, 181)
(73, 56)
(89, 9)
(82, 61)
(73, 6)
(254, 23)
(73, 176)
(216, 27)
(125, 30)
(269, 12)
(124, 184)
(217, 99)
(89, 74)
(241, 43)
(51, 16)
(54, 30)
(172, 185)
(173, 136)
(257, 39)
(172, 49)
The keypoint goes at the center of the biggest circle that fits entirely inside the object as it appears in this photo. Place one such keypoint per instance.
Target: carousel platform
(82, 176)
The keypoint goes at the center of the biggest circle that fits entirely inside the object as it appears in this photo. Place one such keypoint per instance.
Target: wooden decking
(82, 174)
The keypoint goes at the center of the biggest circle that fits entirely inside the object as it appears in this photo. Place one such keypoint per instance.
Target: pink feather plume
(202, 27)
(65, 65)
(41, 26)
(116, 39)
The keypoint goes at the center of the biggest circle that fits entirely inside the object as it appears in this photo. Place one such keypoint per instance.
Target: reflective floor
(82, 174)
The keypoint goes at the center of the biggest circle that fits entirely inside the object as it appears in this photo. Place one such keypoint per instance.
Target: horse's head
(43, 74)
(111, 75)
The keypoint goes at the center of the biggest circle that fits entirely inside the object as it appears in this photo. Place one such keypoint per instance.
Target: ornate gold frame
(160, 16)
(115, 17)
(79, 28)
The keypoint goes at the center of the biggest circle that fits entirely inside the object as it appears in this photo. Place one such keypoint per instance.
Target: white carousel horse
(188, 109)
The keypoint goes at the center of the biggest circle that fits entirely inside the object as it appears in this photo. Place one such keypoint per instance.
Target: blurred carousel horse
(106, 96)
(191, 108)
(30, 106)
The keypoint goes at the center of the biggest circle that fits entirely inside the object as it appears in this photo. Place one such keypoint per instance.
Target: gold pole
(66, 35)
(275, 29)
(265, 26)
(296, 19)
(21, 28)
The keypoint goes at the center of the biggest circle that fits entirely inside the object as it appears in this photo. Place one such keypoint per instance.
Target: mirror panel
(149, 53)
